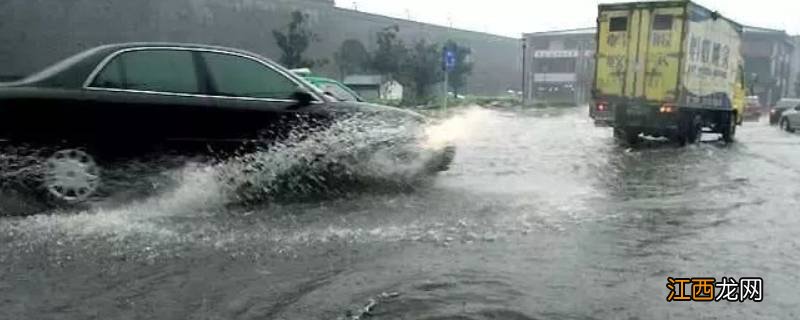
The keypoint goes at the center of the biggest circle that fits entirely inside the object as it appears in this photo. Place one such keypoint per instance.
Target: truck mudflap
(602, 114)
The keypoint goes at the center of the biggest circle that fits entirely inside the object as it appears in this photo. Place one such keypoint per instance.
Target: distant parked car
(124, 101)
(782, 105)
(329, 86)
(790, 119)
(753, 109)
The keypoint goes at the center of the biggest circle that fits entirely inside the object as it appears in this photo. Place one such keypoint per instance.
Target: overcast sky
(513, 17)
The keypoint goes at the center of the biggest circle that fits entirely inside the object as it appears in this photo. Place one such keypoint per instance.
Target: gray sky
(513, 17)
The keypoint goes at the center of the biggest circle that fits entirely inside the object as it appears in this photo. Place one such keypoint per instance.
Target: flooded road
(542, 216)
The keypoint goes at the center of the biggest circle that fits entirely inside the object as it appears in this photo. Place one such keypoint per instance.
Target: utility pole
(524, 69)
(448, 63)
(446, 80)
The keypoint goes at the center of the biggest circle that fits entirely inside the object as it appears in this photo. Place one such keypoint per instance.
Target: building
(558, 67)
(374, 87)
(794, 76)
(768, 63)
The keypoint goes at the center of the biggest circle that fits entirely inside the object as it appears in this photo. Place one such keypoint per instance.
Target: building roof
(752, 29)
(363, 80)
(587, 31)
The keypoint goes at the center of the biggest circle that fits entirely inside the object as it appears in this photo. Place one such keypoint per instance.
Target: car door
(794, 117)
(253, 99)
(151, 98)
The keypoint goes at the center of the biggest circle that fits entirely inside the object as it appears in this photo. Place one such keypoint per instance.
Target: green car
(331, 87)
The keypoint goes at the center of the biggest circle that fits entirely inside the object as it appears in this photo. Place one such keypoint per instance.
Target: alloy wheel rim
(71, 175)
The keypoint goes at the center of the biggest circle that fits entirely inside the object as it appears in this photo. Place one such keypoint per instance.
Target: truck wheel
(628, 137)
(729, 131)
(71, 176)
(694, 131)
(632, 138)
(619, 134)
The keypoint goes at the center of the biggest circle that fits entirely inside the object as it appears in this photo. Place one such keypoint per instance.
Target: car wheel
(71, 176)
(786, 125)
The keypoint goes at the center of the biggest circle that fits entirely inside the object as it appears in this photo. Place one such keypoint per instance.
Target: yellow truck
(667, 69)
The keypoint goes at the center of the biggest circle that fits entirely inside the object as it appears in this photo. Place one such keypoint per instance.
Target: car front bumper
(441, 160)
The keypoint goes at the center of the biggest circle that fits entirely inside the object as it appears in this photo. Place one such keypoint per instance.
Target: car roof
(786, 102)
(73, 71)
(132, 45)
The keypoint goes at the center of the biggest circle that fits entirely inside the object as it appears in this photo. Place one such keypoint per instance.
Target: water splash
(352, 156)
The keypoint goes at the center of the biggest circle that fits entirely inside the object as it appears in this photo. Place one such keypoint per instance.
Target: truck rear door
(661, 54)
(639, 51)
(614, 51)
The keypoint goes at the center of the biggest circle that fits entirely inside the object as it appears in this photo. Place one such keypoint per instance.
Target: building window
(662, 22)
(618, 24)
(555, 65)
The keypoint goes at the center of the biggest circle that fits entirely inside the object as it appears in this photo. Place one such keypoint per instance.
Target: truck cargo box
(668, 56)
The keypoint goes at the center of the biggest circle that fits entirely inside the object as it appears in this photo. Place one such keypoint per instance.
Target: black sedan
(123, 101)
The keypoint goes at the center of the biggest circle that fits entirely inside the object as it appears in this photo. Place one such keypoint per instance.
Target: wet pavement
(542, 216)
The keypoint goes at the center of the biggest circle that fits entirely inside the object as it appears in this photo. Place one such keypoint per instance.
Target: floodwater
(541, 216)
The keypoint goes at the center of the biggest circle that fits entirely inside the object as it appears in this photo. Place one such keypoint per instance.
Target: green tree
(352, 58)
(391, 53)
(295, 40)
(423, 68)
(463, 69)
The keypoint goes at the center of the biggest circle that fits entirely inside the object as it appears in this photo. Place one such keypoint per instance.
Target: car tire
(70, 177)
(786, 125)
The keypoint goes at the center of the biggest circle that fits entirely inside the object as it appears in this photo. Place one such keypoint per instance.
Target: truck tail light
(668, 108)
(601, 106)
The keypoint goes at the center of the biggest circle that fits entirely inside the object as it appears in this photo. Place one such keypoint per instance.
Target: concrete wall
(36, 33)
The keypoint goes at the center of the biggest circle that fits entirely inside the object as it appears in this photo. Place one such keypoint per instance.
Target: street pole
(524, 69)
(446, 80)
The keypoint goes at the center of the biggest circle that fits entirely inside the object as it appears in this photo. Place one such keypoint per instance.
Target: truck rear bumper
(647, 119)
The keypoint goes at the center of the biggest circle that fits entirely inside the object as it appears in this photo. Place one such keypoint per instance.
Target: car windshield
(337, 91)
(385, 159)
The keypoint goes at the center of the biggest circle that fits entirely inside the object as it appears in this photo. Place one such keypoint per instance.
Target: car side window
(170, 71)
(111, 77)
(237, 76)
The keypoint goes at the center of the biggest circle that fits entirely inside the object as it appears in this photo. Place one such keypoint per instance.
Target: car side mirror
(302, 97)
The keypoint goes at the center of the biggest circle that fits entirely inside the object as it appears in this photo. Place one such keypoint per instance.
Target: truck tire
(694, 130)
(626, 136)
(729, 129)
